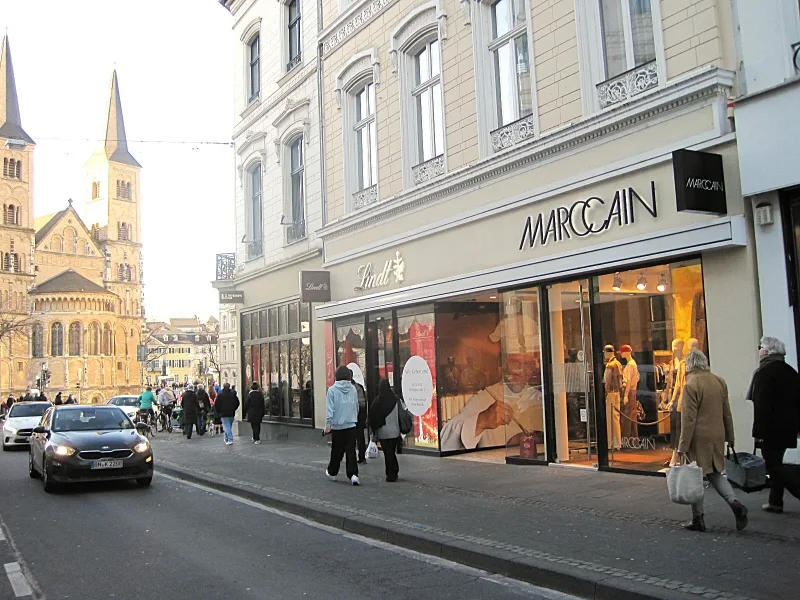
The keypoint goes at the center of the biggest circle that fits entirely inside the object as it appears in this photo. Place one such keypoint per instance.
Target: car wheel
(145, 481)
(47, 480)
(32, 469)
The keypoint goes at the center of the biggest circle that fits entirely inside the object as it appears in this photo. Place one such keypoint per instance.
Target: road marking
(2, 536)
(521, 586)
(17, 579)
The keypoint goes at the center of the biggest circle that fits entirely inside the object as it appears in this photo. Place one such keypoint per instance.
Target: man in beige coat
(706, 424)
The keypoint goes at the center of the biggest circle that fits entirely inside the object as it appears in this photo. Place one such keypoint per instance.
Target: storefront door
(571, 355)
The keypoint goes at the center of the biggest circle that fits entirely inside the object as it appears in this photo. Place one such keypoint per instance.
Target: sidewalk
(595, 535)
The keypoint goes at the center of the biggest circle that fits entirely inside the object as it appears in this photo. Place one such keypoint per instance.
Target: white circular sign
(417, 385)
(358, 376)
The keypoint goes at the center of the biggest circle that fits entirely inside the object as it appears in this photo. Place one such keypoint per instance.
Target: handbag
(404, 418)
(685, 483)
(746, 471)
(792, 455)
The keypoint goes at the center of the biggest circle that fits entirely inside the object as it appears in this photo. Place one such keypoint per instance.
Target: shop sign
(315, 286)
(591, 216)
(699, 182)
(417, 386)
(231, 297)
(393, 271)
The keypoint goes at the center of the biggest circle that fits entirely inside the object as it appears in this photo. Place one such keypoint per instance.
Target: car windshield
(27, 410)
(90, 419)
(124, 401)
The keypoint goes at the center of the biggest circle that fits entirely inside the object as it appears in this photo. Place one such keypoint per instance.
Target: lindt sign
(315, 286)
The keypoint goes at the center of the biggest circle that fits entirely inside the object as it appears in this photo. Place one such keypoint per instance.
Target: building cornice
(695, 87)
(355, 17)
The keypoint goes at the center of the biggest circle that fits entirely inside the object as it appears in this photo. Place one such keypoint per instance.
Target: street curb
(560, 577)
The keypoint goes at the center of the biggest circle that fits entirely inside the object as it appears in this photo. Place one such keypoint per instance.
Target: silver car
(20, 421)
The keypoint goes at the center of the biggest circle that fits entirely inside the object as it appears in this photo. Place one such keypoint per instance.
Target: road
(185, 542)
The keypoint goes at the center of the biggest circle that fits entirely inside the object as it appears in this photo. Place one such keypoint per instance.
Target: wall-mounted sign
(592, 216)
(417, 386)
(699, 182)
(231, 297)
(393, 271)
(315, 286)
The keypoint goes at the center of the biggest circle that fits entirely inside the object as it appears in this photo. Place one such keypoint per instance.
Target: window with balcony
(295, 49)
(255, 238)
(427, 108)
(296, 228)
(254, 76)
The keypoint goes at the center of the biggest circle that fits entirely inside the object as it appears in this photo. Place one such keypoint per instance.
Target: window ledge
(284, 79)
(514, 133)
(252, 105)
(628, 85)
(365, 197)
(428, 170)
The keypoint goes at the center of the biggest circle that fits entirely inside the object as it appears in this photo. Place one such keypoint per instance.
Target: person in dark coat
(58, 401)
(775, 392)
(361, 424)
(384, 422)
(254, 409)
(204, 404)
(191, 410)
(226, 405)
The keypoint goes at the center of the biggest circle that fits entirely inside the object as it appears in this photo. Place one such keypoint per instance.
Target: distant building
(182, 351)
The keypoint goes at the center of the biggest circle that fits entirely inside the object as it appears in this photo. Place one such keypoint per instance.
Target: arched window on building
(122, 231)
(57, 243)
(127, 273)
(57, 340)
(37, 341)
(95, 189)
(121, 272)
(94, 339)
(10, 214)
(70, 241)
(108, 340)
(75, 339)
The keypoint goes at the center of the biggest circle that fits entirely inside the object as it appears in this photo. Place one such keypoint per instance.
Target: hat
(625, 348)
(608, 348)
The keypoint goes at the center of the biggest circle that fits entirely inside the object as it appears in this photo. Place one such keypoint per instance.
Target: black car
(75, 443)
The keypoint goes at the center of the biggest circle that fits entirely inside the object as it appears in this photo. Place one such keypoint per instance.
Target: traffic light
(38, 383)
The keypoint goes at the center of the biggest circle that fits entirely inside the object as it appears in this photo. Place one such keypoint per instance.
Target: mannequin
(612, 381)
(630, 378)
(676, 400)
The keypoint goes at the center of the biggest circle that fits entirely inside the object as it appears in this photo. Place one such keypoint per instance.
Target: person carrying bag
(385, 421)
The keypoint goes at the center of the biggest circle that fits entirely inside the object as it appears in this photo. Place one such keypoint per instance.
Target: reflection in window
(627, 35)
(512, 66)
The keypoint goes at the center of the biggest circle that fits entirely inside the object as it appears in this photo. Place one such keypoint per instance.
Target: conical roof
(10, 121)
(116, 140)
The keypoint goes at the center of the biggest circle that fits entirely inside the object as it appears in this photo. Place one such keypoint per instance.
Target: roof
(48, 226)
(10, 120)
(69, 281)
(190, 323)
(116, 141)
(44, 225)
(42, 220)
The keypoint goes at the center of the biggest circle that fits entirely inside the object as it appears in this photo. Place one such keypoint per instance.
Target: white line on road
(2, 536)
(521, 586)
(17, 579)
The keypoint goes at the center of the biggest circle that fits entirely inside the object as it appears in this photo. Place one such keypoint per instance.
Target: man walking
(341, 416)
(226, 405)
(190, 409)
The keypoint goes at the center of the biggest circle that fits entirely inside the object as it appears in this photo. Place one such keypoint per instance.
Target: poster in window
(330, 359)
(423, 345)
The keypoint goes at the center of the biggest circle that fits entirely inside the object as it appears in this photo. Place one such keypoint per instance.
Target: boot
(697, 524)
(740, 512)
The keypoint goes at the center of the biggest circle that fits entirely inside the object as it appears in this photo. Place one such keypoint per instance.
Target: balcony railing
(365, 197)
(295, 231)
(226, 266)
(628, 84)
(294, 62)
(255, 248)
(430, 169)
(513, 133)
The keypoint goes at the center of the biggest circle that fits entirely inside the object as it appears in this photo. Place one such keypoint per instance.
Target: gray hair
(697, 361)
(773, 345)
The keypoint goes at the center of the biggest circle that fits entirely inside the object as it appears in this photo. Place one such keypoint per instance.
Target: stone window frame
(254, 163)
(292, 123)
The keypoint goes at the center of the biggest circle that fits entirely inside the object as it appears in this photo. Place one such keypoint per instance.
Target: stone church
(74, 279)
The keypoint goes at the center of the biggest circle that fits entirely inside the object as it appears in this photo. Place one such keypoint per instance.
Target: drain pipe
(321, 128)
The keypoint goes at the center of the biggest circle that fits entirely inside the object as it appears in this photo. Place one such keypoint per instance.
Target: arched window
(37, 341)
(122, 231)
(57, 340)
(95, 189)
(12, 168)
(15, 263)
(18, 170)
(70, 241)
(107, 340)
(6, 261)
(10, 214)
(255, 218)
(75, 339)
(94, 339)
(121, 273)
(57, 243)
(127, 272)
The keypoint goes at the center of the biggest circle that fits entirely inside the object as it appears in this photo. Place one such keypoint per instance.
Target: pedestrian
(10, 401)
(233, 389)
(204, 402)
(361, 424)
(341, 417)
(191, 408)
(58, 401)
(706, 424)
(41, 397)
(70, 399)
(775, 392)
(226, 405)
(254, 410)
(385, 424)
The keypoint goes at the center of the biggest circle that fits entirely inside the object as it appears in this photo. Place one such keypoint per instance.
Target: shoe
(772, 509)
(354, 480)
(697, 524)
(391, 479)
(363, 461)
(257, 442)
(740, 512)
(228, 443)
(329, 476)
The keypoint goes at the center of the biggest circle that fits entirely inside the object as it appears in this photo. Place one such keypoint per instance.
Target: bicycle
(149, 419)
(165, 417)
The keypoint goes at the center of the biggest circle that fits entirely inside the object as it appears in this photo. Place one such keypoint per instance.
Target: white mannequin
(630, 375)
(674, 366)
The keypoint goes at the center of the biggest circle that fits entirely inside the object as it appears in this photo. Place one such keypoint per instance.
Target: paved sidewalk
(595, 535)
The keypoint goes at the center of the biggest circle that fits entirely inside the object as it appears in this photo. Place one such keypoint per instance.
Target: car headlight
(141, 447)
(11, 430)
(64, 451)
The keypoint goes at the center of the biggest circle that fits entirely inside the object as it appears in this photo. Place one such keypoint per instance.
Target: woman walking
(191, 409)
(775, 392)
(706, 424)
(254, 410)
(383, 420)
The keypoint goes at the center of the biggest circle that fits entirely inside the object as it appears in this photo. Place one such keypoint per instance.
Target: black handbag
(404, 418)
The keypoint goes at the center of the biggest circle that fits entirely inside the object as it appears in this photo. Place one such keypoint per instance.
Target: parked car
(75, 443)
(20, 421)
(129, 404)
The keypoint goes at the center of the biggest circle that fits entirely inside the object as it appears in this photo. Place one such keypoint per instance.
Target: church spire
(116, 141)
(10, 122)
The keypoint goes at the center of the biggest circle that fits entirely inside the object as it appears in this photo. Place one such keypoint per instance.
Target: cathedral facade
(71, 289)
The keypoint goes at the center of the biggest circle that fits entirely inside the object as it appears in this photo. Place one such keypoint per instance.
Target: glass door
(380, 335)
(571, 359)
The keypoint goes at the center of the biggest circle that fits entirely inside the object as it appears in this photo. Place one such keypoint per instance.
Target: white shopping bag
(792, 455)
(372, 450)
(685, 483)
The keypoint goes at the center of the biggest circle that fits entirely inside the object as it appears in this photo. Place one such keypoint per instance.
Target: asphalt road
(184, 542)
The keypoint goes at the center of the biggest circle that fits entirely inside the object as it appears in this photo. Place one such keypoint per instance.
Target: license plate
(107, 463)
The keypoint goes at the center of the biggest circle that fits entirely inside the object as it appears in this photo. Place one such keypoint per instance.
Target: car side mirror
(40, 429)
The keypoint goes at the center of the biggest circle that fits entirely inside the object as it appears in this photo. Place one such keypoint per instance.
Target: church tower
(16, 224)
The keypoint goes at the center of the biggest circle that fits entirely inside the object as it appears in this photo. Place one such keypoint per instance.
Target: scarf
(769, 358)
(382, 406)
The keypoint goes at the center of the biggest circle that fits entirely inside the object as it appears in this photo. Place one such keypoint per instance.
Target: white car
(20, 421)
(129, 404)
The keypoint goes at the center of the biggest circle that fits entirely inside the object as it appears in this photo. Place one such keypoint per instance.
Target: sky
(174, 64)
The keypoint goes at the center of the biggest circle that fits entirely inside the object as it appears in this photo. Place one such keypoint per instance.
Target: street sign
(231, 297)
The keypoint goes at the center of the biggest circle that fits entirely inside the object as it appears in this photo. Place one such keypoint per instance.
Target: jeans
(256, 431)
(343, 443)
(227, 428)
(201, 424)
(187, 428)
(720, 483)
(389, 448)
(779, 479)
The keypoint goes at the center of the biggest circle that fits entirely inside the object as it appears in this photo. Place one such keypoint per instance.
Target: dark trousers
(389, 448)
(362, 445)
(201, 424)
(187, 428)
(256, 431)
(779, 476)
(343, 443)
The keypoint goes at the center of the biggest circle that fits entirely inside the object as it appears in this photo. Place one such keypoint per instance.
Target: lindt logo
(394, 268)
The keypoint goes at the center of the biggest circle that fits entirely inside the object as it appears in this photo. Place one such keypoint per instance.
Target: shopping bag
(372, 450)
(746, 471)
(685, 483)
(792, 455)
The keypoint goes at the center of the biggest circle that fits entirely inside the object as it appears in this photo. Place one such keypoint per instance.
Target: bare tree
(14, 324)
(211, 354)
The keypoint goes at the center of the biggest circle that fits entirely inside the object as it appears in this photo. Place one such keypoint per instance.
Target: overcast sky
(173, 60)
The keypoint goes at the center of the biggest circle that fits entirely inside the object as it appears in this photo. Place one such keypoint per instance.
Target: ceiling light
(662, 283)
(641, 283)
(492, 297)
(617, 285)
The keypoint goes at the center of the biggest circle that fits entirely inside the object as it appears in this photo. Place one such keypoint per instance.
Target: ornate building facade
(78, 288)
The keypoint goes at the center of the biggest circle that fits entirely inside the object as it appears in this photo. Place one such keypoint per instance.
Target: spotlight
(662, 283)
(617, 285)
(641, 283)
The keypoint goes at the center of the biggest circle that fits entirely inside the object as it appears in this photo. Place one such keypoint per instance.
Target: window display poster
(417, 385)
(423, 347)
(330, 360)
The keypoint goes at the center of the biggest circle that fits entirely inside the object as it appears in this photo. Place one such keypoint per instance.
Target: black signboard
(315, 286)
(699, 182)
(231, 297)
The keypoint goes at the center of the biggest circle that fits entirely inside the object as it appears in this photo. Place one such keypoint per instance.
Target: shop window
(415, 333)
(263, 324)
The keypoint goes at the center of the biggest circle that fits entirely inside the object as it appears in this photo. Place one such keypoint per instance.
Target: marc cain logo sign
(592, 216)
(710, 185)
